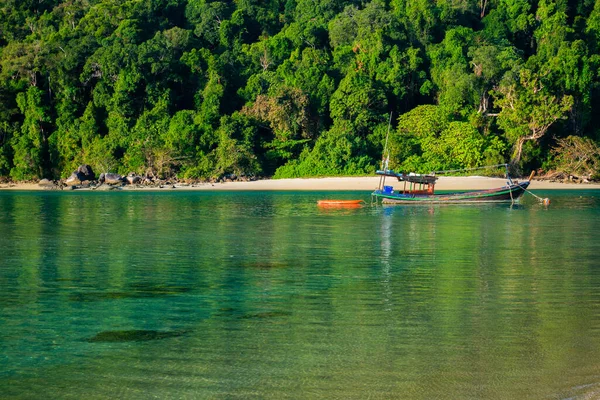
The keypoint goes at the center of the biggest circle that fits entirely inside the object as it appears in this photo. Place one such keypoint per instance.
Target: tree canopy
(288, 88)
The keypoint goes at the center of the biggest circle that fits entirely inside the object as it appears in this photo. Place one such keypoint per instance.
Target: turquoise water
(264, 295)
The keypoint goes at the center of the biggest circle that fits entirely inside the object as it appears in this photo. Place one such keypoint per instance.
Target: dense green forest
(286, 88)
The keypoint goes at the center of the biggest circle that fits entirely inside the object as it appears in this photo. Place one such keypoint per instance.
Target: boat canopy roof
(412, 177)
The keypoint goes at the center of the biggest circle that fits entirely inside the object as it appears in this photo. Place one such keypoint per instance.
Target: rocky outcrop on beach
(86, 172)
(47, 184)
(111, 178)
(564, 177)
(84, 177)
(74, 179)
(133, 179)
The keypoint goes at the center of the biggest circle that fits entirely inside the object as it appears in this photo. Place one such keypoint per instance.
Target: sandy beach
(334, 184)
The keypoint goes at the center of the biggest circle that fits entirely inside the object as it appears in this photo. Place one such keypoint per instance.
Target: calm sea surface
(264, 295)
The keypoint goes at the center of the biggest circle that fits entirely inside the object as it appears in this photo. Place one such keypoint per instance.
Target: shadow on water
(264, 265)
(239, 314)
(134, 335)
(135, 292)
(266, 315)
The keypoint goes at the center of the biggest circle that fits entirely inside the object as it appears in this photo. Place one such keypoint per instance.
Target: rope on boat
(545, 201)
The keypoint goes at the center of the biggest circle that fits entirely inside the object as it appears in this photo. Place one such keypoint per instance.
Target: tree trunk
(535, 135)
(518, 150)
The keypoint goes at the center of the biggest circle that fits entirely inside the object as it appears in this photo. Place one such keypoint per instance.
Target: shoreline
(321, 184)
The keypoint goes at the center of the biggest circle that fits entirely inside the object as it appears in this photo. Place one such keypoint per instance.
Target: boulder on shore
(111, 178)
(86, 172)
(133, 178)
(75, 179)
(47, 184)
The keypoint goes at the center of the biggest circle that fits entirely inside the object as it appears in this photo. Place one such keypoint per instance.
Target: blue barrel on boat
(388, 189)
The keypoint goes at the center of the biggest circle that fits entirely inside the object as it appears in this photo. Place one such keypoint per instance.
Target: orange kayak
(340, 203)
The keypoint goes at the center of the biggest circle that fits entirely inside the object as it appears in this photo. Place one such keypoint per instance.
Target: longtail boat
(420, 189)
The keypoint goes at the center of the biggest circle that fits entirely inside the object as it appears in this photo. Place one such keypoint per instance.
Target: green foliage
(359, 102)
(234, 153)
(202, 88)
(6, 132)
(451, 73)
(528, 109)
(428, 140)
(207, 19)
(405, 143)
(30, 142)
(336, 152)
(286, 111)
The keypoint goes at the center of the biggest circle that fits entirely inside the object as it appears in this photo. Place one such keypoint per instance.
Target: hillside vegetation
(289, 88)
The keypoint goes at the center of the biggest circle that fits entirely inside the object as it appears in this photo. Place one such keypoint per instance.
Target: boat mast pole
(510, 182)
(384, 164)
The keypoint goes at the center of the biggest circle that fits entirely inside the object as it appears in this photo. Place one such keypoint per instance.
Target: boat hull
(504, 194)
(340, 203)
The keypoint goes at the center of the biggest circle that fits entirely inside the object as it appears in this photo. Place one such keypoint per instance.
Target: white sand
(333, 184)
